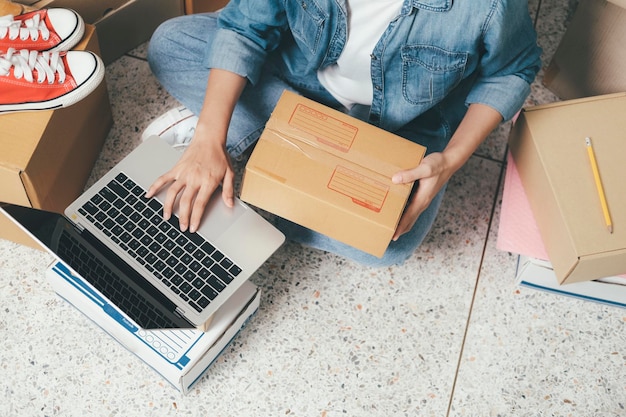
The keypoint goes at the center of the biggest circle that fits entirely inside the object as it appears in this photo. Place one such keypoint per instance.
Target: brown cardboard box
(591, 57)
(548, 146)
(47, 156)
(203, 6)
(331, 173)
(121, 24)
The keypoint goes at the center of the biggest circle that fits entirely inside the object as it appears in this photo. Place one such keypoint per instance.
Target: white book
(538, 274)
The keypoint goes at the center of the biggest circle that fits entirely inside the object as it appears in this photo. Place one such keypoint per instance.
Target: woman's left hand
(430, 176)
(436, 168)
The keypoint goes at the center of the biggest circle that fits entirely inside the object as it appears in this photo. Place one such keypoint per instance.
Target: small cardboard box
(180, 356)
(591, 57)
(121, 24)
(47, 156)
(330, 173)
(548, 145)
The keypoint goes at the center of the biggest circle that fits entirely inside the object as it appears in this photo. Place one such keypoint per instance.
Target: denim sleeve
(248, 31)
(510, 61)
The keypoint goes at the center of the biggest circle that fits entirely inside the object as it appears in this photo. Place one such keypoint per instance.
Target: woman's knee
(181, 39)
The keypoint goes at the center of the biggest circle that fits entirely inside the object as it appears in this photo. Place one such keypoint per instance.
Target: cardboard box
(331, 173)
(538, 274)
(47, 156)
(591, 57)
(548, 145)
(183, 363)
(121, 24)
(203, 6)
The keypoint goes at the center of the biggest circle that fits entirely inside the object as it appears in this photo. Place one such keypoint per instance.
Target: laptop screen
(99, 266)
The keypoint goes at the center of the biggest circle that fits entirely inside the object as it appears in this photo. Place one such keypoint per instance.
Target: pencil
(599, 187)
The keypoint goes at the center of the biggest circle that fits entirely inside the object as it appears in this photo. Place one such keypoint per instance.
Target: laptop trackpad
(217, 218)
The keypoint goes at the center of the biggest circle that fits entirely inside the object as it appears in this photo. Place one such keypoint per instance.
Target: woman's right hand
(205, 164)
(198, 173)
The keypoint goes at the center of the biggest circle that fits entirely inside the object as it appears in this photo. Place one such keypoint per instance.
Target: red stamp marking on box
(327, 130)
(363, 190)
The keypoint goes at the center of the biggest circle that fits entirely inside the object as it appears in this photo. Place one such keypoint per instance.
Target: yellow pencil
(600, 188)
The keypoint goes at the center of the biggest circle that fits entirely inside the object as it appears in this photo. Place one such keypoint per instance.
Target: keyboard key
(235, 270)
(209, 292)
(90, 207)
(121, 177)
(226, 263)
(155, 205)
(194, 295)
(203, 302)
(118, 189)
(221, 273)
(216, 283)
(108, 195)
(96, 199)
(128, 184)
(138, 191)
(217, 256)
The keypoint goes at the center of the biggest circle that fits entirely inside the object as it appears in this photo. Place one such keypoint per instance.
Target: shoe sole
(67, 99)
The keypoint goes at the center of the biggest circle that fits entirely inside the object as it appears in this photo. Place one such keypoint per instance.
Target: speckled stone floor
(446, 334)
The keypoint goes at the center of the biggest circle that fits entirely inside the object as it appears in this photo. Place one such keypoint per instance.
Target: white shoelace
(29, 28)
(25, 63)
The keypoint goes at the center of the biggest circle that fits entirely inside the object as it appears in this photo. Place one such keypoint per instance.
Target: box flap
(604, 264)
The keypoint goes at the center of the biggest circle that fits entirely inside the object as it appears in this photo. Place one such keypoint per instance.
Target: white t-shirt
(349, 80)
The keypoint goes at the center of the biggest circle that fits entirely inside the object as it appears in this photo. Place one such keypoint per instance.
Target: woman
(443, 73)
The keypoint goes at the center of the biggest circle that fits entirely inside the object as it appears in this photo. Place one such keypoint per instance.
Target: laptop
(160, 277)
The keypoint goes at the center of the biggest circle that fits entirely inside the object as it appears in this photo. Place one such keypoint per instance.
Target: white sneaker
(175, 126)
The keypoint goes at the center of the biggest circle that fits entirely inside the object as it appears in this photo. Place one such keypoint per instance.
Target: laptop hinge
(78, 227)
(179, 312)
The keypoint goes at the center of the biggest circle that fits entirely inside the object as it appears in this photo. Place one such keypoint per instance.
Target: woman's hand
(201, 169)
(205, 164)
(430, 176)
(437, 168)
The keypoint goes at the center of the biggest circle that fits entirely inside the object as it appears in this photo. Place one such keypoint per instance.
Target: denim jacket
(434, 59)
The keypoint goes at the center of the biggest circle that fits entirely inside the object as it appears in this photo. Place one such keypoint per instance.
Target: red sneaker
(31, 80)
(41, 30)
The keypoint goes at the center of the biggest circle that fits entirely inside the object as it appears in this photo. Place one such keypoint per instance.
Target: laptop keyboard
(189, 265)
(121, 294)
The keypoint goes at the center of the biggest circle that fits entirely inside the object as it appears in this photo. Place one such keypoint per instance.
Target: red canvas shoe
(41, 30)
(31, 80)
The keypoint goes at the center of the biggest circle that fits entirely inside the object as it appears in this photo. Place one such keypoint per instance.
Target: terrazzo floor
(446, 334)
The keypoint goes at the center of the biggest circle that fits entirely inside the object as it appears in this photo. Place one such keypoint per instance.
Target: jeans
(177, 55)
